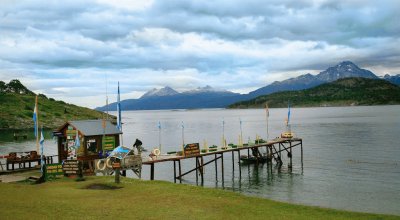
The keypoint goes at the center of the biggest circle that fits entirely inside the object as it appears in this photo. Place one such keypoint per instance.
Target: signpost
(109, 143)
(117, 167)
(52, 171)
(191, 150)
(72, 168)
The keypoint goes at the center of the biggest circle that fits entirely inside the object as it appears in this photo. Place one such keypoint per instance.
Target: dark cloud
(234, 44)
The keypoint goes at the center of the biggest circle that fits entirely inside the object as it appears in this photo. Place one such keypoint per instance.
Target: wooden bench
(13, 158)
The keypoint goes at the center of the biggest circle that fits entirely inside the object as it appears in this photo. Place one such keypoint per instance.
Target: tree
(3, 87)
(15, 86)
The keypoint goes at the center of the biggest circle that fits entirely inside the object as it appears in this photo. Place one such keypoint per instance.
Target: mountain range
(349, 91)
(208, 97)
(168, 98)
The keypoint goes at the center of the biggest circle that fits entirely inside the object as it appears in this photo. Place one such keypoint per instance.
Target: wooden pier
(274, 149)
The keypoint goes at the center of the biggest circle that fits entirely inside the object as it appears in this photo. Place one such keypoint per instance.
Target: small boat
(250, 160)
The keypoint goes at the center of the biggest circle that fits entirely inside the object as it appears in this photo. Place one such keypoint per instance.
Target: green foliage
(15, 86)
(43, 96)
(3, 87)
(343, 92)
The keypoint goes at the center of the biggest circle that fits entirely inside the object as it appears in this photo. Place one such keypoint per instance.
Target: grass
(137, 199)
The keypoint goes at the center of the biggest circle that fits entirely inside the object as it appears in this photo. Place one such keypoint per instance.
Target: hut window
(92, 146)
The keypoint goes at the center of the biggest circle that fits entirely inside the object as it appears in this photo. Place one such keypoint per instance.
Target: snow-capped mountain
(166, 91)
(342, 70)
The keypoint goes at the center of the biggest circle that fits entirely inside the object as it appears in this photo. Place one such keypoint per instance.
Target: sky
(77, 51)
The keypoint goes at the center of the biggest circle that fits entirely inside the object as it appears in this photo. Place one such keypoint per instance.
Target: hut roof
(93, 127)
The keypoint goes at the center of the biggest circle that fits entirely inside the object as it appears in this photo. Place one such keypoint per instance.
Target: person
(138, 144)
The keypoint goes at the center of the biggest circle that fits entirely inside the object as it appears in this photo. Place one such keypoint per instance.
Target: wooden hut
(96, 137)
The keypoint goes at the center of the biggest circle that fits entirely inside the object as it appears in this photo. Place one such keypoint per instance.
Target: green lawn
(67, 199)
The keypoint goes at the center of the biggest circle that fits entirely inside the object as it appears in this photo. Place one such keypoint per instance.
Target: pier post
(291, 155)
(202, 171)
(174, 171)
(233, 161)
(180, 171)
(197, 170)
(216, 168)
(240, 168)
(301, 147)
(280, 155)
(152, 171)
(222, 166)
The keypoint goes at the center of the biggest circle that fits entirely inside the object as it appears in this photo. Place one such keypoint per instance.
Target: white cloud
(127, 4)
(65, 49)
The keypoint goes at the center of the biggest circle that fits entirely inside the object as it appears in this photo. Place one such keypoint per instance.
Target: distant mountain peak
(395, 79)
(343, 70)
(206, 89)
(166, 91)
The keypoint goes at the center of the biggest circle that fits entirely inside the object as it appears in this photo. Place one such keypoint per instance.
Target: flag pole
(159, 135)
(267, 116)
(288, 118)
(37, 124)
(241, 133)
(119, 117)
(183, 138)
(223, 132)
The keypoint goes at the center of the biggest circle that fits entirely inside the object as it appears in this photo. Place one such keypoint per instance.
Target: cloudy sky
(68, 50)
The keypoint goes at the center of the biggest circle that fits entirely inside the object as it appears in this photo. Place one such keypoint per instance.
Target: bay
(351, 154)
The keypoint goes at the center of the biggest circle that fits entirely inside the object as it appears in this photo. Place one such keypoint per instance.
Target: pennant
(35, 117)
(77, 141)
(41, 150)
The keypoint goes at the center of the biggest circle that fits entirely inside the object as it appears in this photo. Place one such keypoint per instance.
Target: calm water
(351, 154)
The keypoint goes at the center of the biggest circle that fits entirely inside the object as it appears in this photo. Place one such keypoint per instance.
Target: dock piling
(152, 171)
(174, 171)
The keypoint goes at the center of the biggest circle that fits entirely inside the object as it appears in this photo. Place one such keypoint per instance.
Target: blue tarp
(120, 152)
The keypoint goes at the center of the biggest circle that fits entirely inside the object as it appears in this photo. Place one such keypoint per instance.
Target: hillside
(343, 92)
(16, 109)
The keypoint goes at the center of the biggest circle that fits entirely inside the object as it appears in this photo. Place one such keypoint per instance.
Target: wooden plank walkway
(274, 148)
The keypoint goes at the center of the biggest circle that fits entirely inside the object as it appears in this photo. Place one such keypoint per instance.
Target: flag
(77, 141)
(35, 117)
(41, 139)
(41, 150)
(288, 114)
(119, 124)
(267, 109)
(183, 125)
